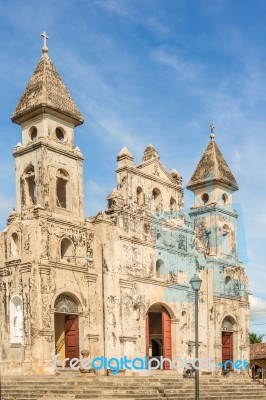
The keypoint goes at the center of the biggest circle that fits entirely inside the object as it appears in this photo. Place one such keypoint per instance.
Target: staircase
(169, 386)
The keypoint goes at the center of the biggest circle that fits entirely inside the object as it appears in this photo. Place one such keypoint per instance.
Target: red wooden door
(147, 335)
(227, 348)
(72, 336)
(167, 340)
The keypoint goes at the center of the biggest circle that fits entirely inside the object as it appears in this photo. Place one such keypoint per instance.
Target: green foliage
(254, 338)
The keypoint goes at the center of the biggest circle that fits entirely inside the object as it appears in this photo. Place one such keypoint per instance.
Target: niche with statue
(16, 320)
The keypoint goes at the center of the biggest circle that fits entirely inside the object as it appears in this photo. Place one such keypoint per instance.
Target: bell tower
(48, 164)
(215, 219)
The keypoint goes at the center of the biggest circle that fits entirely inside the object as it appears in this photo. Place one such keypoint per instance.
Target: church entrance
(227, 343)
(158, 334)
(66, 328)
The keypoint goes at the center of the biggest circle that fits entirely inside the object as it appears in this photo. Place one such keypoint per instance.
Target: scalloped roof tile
(46, 90)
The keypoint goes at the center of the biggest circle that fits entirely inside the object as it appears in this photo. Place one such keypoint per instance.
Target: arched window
(62, 181)
(140, 196)
(67, 250)
(157, 200)
(60, 134)
(33, 133)
(227, 325)
(205, 198)
(172, 204)
(228, 285)
(14, 244)
(66, 304)
(225, 239)
(160, 270)
(224, 198)
(29, 192)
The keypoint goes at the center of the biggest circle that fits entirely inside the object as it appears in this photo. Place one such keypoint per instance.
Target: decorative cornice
(45, 269)
(214, 209)
(91, 277)
(126, 283)
(46, 332)
(93, 337)
(13, 263)
(43, 143)
(124, 339)
(25, 267)
(134, 170)
(156, 246)
(69, 267)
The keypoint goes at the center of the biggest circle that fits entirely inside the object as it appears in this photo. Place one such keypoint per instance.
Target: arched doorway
(257, 371)
(158, 333)
(227, 342)
(66, 322)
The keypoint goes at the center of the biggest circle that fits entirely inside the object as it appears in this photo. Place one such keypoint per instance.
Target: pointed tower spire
(46, 92)
(212, 168)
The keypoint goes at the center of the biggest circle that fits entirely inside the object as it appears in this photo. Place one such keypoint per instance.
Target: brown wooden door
(227, 348)
(72, 336)
(167, 340)
(147, 335)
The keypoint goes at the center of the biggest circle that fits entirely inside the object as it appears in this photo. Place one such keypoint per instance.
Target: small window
(205, 198)
(33, 134)
(157, 200)
(14, 244)
(228, 285)
(61, 188)
(224, 198)
(140, 196)
(225, 239)
(159, 268)
(172, 204)
(66, 249)
(60, 134)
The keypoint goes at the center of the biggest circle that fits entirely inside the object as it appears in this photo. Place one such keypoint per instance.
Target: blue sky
(150, 72)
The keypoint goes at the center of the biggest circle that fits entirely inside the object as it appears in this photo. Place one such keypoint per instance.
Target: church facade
(117, 284)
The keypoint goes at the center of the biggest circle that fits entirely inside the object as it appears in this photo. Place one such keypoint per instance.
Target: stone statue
(18, 324)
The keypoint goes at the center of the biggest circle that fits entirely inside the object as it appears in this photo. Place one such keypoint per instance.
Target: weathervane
(212, 135)
(45, 37)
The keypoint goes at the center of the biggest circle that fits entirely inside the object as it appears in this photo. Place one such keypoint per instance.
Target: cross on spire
(212, 135)
(45, 37)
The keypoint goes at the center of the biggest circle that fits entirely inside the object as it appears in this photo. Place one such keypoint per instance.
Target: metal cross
(43, 34)
(212, 127)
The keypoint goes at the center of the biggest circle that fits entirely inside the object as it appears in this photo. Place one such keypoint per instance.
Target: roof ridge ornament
(212, 135)
(45, 37)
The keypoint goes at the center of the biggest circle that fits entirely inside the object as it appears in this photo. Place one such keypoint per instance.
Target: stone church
(117, 283)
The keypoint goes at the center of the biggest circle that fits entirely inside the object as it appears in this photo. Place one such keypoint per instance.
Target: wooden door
(72, 336)
(147, 335)
(167, 340)
(227, 348)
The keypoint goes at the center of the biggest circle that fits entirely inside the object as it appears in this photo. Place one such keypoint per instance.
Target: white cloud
(257, 309)
(185, 68)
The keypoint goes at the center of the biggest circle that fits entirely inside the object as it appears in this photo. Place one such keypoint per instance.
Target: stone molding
(93, 337)
(124, 339)
(91, 277)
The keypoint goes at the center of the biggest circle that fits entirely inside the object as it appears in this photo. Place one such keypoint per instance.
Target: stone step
(166, 386)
